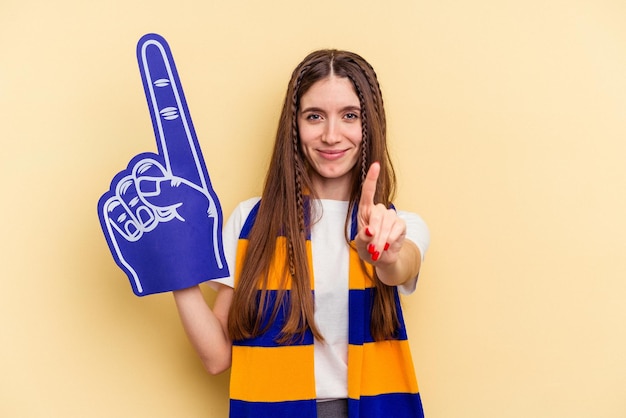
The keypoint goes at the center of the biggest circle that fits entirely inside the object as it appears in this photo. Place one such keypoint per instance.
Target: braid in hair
(364, 132)
(375, 88)
(379, 147)
(297, 166)
(364, 135)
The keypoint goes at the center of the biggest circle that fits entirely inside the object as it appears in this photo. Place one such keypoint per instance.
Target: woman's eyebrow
(318, 109)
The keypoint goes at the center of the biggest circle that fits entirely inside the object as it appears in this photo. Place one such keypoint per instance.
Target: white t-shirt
(330, 272)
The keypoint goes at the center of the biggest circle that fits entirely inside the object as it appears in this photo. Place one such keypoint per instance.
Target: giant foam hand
(161, 218)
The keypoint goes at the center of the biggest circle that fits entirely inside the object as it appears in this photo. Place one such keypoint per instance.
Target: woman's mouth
(331, 154)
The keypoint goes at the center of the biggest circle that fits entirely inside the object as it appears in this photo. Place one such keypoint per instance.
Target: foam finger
(173, 128)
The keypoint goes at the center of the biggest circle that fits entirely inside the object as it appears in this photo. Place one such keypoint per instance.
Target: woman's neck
(330, 194)
(332, 189)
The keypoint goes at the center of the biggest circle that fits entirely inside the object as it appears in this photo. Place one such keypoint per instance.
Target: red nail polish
(375, 256)
(371, 249)
(386, 246)
(368, 233)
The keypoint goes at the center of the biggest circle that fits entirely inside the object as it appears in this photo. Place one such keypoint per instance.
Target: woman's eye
(352, 116)
(313, 116)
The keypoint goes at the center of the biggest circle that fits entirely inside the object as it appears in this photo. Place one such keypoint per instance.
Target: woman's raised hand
(381, 232)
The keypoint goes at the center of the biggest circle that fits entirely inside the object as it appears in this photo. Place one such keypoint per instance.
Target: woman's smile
(332, 154)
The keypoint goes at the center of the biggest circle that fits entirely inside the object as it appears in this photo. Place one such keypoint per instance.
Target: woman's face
(329, 124)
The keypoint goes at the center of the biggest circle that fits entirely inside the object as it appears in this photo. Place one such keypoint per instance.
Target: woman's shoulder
(239, 215)
(248, 204)
(416, 230)
(243, 209)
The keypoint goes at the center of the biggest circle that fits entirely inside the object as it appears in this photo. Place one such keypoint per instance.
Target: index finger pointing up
(368, 190)
(175, 135)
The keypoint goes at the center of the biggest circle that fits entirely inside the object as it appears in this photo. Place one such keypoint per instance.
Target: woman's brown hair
(282, 208)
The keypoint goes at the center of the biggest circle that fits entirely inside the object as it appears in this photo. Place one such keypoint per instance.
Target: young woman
(310, 321)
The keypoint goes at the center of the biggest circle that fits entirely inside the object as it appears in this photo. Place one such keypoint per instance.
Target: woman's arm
(206, 328)
(381, 237)
(404, 268)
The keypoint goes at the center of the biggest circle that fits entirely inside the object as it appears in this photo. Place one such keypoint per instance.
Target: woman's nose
(331, 133)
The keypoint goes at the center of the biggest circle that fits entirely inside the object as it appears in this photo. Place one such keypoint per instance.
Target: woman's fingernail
(371, 249)
(368, 233)
(386, 246)
(375, 256)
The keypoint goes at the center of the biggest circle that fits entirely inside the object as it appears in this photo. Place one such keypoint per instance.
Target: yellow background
(507, 123)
